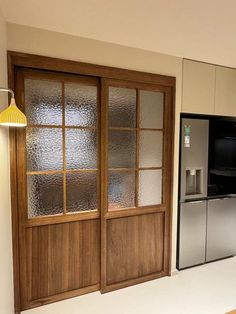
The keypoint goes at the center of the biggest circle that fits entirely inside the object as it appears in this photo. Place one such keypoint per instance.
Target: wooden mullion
(123, 169)
(81, 127)
(151, 129)
(136, 169)
(151, 168)
(104, 179)
(99, 148)
(64, 147)
(120, 128)
(30, 173)
(80, 170)
(50, 126)
(137, 146)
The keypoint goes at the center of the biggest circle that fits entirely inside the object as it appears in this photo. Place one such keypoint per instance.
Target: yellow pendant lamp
(12, 116)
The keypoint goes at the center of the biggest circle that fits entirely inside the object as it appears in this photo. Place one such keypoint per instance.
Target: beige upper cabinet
(198, 87)
(225, 98)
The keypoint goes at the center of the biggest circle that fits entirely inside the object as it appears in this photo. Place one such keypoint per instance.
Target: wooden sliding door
(91, 178)
(136, 182)
(58, 186)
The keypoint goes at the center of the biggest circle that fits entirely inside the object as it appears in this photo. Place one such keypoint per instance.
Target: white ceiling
(201, 29)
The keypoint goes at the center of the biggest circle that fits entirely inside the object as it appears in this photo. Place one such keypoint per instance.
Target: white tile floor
(208, 289)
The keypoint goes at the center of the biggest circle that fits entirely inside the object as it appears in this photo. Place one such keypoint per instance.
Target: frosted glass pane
(121, 190)
(122, 107)
(122, 149)
(151, 109)
(43, 102)
(150, 149)
(44, 149)
(80, 105)
(45, 195)
(150, 187)
(81, 189)
(81, 149)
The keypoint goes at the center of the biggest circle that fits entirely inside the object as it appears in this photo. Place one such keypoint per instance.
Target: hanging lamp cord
(7, 90)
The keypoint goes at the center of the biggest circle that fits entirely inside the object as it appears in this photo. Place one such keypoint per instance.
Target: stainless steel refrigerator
(207, 224)
(193, 192)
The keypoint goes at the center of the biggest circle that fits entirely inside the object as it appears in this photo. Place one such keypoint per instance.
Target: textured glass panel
(150, 187)
(44, 149)
(122, 149)
(45, 195)
(122, 107)
(81, 189)
(81, 105)
(43, 102)
(81, 149)
(121, 190)
(151, 109)
(150, 149)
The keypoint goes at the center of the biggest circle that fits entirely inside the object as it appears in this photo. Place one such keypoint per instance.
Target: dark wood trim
(75, 67)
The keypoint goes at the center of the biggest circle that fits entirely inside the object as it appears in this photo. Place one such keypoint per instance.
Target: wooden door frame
(18, 59)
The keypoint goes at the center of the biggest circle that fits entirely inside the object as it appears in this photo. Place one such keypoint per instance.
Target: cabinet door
(198, 87)
(221, 229)
(225, 99)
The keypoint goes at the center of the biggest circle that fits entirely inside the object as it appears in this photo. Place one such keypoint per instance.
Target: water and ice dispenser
(193, 182)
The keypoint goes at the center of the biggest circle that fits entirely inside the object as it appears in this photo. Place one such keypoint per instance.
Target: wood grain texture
(134, 247)
(61, 258)
(75, 67)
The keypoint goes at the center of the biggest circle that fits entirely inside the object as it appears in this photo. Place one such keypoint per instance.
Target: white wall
(6, 281)
(52, 44)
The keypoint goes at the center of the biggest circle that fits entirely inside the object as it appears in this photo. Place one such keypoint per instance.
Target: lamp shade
(12, 116)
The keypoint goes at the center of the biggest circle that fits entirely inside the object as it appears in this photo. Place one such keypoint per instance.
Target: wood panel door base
(61, 296)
